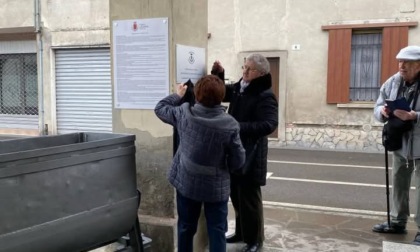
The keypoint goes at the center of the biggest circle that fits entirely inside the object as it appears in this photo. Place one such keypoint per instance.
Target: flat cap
(409, 53)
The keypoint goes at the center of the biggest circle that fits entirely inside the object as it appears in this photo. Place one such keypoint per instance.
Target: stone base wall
(349, 138)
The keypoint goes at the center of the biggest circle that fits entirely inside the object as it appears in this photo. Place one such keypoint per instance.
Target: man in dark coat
(254, 105)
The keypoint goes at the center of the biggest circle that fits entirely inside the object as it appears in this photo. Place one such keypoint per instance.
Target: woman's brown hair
(209, 91)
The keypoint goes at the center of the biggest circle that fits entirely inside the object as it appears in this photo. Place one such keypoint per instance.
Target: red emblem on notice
(135, 26)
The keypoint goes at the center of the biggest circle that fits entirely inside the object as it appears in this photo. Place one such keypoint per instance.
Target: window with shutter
(365, 68)
(361, 57)
(18, 84)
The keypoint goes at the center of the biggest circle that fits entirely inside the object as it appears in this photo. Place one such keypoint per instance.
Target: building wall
(63, 24)
(67, 24)
(16, 13)
(277, 25)
(235, 28)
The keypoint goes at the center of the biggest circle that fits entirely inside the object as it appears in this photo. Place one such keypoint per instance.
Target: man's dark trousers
(247, 202)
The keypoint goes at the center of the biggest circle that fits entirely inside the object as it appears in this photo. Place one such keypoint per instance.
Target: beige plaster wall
(238, 26)
(16, 13)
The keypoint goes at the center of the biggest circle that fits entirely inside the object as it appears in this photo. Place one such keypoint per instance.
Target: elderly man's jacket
(411, 139)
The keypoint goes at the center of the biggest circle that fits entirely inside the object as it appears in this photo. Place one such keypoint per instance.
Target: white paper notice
(190, 63)
(141, 62)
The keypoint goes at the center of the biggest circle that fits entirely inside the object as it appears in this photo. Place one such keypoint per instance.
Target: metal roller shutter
(83, 90)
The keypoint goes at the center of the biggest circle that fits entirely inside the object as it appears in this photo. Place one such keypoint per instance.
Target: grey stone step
(400, 247)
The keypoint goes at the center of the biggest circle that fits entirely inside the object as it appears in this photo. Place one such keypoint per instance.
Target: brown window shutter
(393, 39)
(338, 77)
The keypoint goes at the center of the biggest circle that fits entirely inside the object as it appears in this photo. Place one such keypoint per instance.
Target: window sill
(359, 105)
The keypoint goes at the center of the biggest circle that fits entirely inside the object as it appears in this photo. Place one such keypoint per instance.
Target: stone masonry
(353, 138)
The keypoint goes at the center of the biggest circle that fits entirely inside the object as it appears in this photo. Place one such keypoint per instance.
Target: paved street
(345, 181)
(325, 201)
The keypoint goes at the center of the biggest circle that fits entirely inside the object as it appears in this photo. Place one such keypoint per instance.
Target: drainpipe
(43, 130)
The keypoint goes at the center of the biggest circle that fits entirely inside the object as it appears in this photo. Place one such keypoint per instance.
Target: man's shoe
(417, 239)
(386, 229)
(233, 238)
(255, 247)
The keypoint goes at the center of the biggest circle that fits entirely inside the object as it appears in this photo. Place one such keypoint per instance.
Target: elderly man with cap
(406, 157)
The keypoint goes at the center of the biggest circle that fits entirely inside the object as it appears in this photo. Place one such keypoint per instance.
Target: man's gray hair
(261, 62)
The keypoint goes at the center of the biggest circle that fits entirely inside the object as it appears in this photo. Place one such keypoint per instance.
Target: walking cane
(387, 187)
(385, 143)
